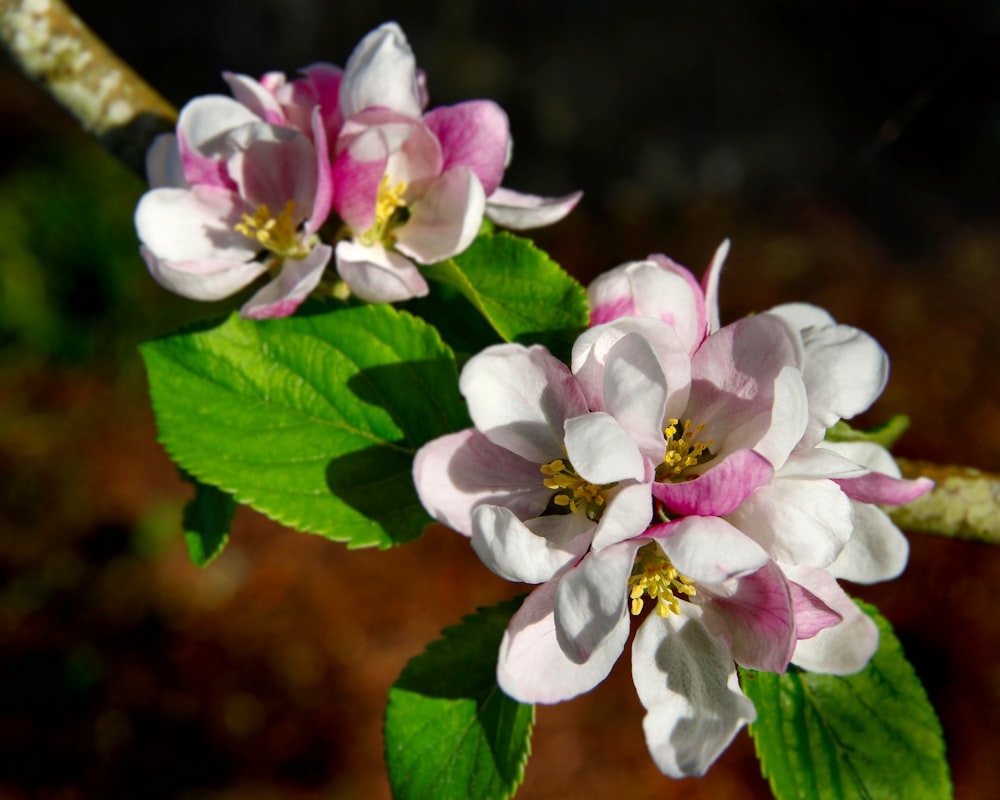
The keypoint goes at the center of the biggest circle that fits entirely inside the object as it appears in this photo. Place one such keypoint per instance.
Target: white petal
(798, 521)
(789, 417)
(591, 602)
(379, 275)
(202, 279)
(710, 283)
(198, 224)
(532, 668)
(164, 167)
(876, 551)
(635, 393)
(517, 552)
(445, 220)
(709, 550)
(519, 212)
(687, 682)
(521, 397)
(803, 315)
(627, 513)
(205, 123)
(381, 71)
(600, 451)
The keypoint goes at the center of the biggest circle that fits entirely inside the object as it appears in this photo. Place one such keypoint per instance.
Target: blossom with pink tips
(234, 198)
(413, 187)
(748, 516)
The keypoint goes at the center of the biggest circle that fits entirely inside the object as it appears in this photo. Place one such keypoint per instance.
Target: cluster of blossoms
(683, 463)
(249, 184)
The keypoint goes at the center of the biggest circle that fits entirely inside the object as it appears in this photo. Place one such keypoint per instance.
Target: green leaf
(885, 434)
(868, 736)
(450, 732)
(521, 292)
(312, 420)
(206, 521)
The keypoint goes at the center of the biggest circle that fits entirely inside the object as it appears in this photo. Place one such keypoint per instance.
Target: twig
(53, 47)
(965, 503)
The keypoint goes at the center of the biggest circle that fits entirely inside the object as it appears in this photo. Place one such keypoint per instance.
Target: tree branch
(53, 47)
(965, 502)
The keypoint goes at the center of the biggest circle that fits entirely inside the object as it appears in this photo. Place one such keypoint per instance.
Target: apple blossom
(413, 187)
(234, 197)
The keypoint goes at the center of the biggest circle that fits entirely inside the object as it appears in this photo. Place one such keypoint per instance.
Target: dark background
(850, 150)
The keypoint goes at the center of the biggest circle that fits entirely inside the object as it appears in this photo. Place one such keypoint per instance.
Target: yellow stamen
(572, 491)
(390, 200)
(654, 576)
(276, 233)
(682, 452)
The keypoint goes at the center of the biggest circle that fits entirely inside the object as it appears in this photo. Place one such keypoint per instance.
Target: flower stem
(54, 48)
(964, 503)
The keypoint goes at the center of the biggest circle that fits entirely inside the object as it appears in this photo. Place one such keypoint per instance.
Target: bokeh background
(850, 150)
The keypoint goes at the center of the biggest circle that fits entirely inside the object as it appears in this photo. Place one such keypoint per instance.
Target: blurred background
(850, 150)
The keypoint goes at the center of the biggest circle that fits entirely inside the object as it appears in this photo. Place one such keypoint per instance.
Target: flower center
(683, 451)
(276, 233)
(572, 491)
(655, 577)
(390, 201)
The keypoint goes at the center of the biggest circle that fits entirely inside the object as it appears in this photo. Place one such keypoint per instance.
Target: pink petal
(720, 489)
(356, 174)
(841, 649)
(203, 128)
(323, 201)
(473, 134)
(812, 615)
(276, 165)
(378, 275)
(445, 220)
(687, 682)
(255, 97)
(759, 619)
(520, 398)
(298, 277)
(520, 212)
(454, 474)
(532, 667)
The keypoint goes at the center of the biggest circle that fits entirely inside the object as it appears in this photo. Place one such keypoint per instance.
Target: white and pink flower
(749, 519)
(234, 198)
(413, 187)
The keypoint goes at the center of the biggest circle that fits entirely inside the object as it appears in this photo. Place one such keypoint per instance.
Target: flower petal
(520, 212)
(473, 134)
(445, 220)
(204, 279)
(275, 165)
(357, 174)
(382, 71)
(298, 277)
(720, 489)
(627, 513)
(882, 485)
(757, 613)
(600, 451)
(710, 284)
(877, 550)
(455, 473)
(591, 601)
(164, 167)
(687, 682)
(179, 225)
(532, 667)
(323, 200)
(635, 393)
(798, 521)
(812, 615)
(708, 550)
(532, 551)
(521, 397)
(379, 275)
(255, 97)
(203, 129)
(841, 649)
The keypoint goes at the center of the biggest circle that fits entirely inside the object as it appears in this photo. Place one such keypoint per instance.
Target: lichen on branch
(53, 47)
(964, 504)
